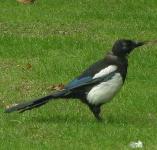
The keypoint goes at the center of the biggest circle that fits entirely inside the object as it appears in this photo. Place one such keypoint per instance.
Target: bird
(95, 86)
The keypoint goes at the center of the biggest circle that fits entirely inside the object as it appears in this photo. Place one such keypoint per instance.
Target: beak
(137, 43)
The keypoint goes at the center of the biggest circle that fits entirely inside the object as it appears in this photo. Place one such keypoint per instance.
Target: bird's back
(108, 60)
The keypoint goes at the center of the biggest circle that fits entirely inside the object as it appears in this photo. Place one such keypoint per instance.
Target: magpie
(97, 85)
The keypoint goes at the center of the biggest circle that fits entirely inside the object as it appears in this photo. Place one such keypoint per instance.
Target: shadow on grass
(68, 119)
(121, 120)
(110, 119)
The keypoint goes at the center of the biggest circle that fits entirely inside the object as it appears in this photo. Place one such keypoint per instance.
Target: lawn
(51, 42)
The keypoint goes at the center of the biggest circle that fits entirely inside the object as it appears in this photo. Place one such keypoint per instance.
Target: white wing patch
(105, 71)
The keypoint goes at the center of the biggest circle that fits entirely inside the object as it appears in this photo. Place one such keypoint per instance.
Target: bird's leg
(96, 111)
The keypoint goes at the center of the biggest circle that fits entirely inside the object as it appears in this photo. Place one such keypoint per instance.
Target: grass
(60, 39)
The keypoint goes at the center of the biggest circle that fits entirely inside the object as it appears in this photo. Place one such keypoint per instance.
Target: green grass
(60, 39)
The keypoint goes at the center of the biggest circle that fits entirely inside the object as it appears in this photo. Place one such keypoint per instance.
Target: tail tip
(9, 108)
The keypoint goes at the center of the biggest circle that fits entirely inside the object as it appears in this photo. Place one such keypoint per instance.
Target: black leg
(96, 111)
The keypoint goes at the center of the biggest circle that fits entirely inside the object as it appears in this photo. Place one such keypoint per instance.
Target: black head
(124, 47)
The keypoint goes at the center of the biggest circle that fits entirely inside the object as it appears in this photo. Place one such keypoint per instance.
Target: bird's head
(124, 47)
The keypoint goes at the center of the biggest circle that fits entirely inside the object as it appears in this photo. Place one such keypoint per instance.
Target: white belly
(105, 91)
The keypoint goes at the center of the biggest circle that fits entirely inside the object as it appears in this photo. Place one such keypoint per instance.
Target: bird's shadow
(109, 120)
(58, 119)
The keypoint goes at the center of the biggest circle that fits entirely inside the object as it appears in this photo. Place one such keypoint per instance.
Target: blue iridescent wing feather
(84, 81)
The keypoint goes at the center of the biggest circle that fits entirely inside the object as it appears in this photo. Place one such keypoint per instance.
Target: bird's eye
(124, 45)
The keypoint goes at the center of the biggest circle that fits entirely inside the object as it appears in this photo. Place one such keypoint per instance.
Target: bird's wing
(104, 75)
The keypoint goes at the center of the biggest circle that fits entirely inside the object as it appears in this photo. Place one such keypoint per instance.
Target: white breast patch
(105, 91)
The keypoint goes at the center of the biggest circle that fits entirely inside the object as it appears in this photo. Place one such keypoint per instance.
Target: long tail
(35, 103)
